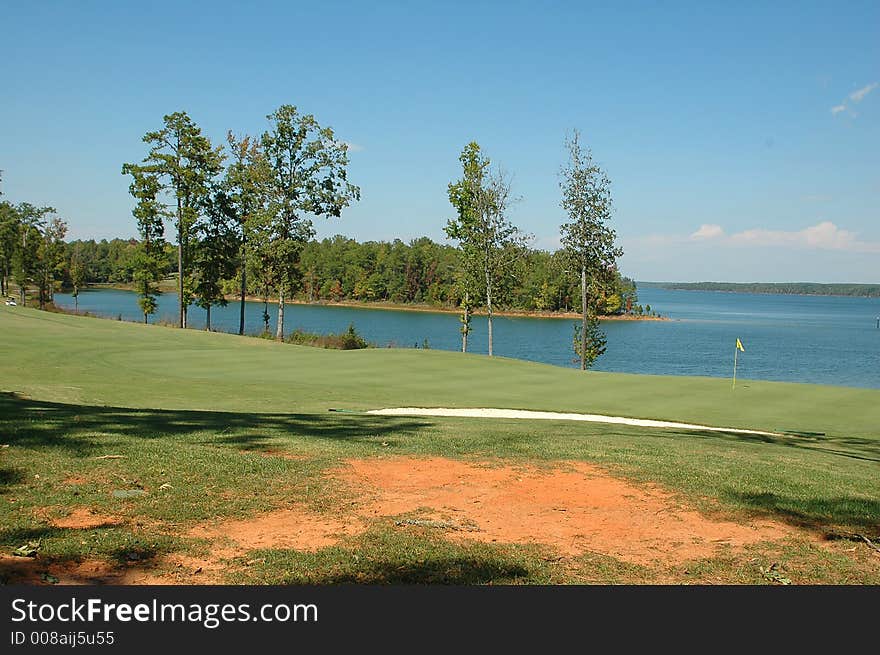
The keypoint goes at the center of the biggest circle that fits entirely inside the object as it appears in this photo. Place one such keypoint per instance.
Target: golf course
(141, 454)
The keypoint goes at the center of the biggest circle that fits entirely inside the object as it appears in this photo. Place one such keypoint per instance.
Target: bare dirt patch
(83, 518)
(293, 527)
(576, 509)
(36, 571)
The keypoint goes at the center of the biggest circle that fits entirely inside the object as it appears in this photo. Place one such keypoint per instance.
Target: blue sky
(742, 143)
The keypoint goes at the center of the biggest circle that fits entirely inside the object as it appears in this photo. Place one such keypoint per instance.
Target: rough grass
(348, 340)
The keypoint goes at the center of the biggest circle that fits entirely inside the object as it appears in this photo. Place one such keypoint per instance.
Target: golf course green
(207, 427)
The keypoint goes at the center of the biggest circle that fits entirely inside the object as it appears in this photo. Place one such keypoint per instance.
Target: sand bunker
(576, 509)
(483, 412)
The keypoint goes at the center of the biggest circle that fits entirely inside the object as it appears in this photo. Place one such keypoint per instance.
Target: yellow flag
(739, 345)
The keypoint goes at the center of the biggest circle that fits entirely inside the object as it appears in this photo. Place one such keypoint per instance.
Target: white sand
(482, 412)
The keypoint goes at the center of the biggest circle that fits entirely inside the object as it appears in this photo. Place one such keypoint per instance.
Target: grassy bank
(214, 416)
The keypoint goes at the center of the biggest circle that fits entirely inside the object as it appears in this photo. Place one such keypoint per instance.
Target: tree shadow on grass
(841, 446)
(18, 536)
(11, 476)
(78, 429)
(106, 566)
(445, 570)
(820, 515)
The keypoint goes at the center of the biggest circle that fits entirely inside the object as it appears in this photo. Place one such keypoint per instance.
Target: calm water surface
(817, 339)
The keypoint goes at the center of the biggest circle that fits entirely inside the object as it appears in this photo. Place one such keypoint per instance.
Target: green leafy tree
(589, 341)
(490, 244)
(587, 238)
(78, 271)
(262, 273)
(31, 221)
(309, 178)
(215, 257)
(185, 162)
(9, 240)
(148, 260)
(246, 189)
(49, 264)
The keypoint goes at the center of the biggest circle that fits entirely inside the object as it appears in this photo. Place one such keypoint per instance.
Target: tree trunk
(208, 323)
(243, 283)
(583, 318)
(279, 331)
(75, 299)
(467, 322)
(146, 316)
(489, 308)
(182, 317)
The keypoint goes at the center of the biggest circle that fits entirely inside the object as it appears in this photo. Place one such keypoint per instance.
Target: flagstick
(735, 353)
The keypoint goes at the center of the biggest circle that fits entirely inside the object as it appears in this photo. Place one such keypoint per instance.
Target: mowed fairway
(227, 466)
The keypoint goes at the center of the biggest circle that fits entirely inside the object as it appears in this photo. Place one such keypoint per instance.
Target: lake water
(816, 339)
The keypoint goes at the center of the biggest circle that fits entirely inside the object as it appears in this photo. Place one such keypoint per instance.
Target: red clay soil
(34, 571)
(575, 509)
(85, 519)
(294, 527)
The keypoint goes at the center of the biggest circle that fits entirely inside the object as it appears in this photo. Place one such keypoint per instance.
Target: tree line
(787, 288)
(32, 249)
(241, 217)
(338, 269)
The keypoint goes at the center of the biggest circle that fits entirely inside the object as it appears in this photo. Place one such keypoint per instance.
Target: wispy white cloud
(822, 236)
(825, 235)
(857, 96)
(354, 147)
(708, 231)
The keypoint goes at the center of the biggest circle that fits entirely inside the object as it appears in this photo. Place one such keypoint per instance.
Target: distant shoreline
(430, 309)
(773, 288)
